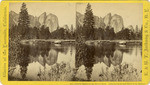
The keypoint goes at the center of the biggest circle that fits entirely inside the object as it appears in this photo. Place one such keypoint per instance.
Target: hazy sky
(132, 13)
(64, 11)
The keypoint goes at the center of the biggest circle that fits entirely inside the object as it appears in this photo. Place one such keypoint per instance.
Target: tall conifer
(23, 21)
(88, 24)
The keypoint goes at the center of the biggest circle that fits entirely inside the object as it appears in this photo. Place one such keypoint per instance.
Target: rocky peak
(96, 22)
(107, 19)
(101, 19)
(66, 27)
(13, 18)
(51, 22)
(79, 19)
(13, 13)
(42, 18)
(101, 22)
(116, 22)
(130, 27)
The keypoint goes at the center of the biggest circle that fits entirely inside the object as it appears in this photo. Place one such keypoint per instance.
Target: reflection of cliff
(44, 53)
(90, 55)
(103, 53)
(117, 58)
(49, 59)
(108, 54)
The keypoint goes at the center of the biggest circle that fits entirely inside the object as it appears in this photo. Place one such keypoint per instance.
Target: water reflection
(67, 61)
(89, 55)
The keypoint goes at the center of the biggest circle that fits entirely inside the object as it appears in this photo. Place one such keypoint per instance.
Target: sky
(132, 13)
(64, 11)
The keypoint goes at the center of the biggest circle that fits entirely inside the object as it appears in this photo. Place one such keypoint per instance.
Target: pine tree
(71, 28)
(88, 24)
(141, 30)
(23, 21)
(136, 29)
(71, 33)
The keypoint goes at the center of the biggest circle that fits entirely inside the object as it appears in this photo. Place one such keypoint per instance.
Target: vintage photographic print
(75, 41)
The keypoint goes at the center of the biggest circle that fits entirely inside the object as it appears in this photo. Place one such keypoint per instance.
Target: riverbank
(56, 41)
(60, 41)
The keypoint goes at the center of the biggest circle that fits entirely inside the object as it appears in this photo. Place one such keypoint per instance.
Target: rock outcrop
(42, 18)
(13, 18)
(107, 19)
(66, 27)
(79, 19)
(34, 21)
(101, 23)
(130, 27)
(49, 20)
(115, 21)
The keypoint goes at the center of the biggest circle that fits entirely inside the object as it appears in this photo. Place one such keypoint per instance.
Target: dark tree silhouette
(23, 22)
(99, 34)
(88, 24)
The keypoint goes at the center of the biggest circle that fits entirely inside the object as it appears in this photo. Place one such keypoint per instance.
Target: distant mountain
(49, 20)
(130, 27)
(34, 21)
(80, 19)
(115, 21)
(66, 27)
(107, 19)
(42, 18)
(101, 22)
(13, 18)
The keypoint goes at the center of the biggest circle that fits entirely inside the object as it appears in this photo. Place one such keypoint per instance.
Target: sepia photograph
(75, 41)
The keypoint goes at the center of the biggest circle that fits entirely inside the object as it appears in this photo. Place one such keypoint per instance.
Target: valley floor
(59, 41)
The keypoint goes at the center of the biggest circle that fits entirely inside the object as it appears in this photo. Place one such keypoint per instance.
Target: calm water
(80, 62)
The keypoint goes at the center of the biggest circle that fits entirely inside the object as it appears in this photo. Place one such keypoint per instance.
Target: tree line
(89, 32)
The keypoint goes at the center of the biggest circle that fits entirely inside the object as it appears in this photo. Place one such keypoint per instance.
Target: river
(77, 62)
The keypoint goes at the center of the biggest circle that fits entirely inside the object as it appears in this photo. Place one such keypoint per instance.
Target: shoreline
(60, 41)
